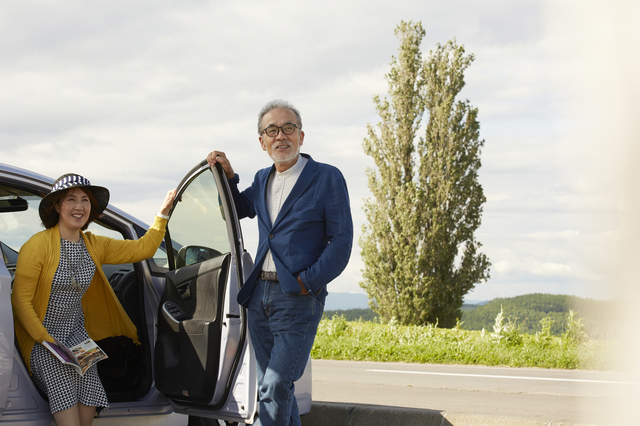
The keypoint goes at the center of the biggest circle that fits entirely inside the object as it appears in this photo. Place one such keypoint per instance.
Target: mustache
(286, 158)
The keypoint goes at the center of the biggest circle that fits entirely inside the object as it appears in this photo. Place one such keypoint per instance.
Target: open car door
(203, 361)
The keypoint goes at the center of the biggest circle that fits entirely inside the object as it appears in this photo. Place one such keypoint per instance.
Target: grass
(340, 339)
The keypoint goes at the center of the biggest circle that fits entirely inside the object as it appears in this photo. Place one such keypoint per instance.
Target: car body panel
(6, 335)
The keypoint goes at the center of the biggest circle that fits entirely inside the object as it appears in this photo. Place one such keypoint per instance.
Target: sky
(133, 94)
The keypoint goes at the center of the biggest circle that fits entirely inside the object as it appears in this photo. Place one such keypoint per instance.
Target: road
(540, 395)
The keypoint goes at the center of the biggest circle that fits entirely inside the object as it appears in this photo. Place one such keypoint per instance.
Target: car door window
(16, 227)
(198, 228)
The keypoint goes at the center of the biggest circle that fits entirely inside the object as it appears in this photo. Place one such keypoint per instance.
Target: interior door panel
(190, 322)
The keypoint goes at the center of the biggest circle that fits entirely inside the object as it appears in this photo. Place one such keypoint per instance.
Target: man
(305, 238)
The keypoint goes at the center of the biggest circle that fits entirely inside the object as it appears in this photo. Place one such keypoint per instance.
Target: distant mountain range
(476, 302)
(344, 301)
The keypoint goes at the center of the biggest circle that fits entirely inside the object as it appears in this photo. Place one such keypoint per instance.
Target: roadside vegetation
(504, 345)
(527, 311)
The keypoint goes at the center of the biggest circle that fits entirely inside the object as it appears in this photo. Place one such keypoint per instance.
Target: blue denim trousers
(282, 327)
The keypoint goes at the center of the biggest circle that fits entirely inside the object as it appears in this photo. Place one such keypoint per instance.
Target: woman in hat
(61, 291)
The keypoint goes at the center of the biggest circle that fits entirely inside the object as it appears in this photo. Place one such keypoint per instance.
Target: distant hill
(526, 311)
(476, 302)
(470, 307)
(353, 314)
(344, 301)
(367, 314)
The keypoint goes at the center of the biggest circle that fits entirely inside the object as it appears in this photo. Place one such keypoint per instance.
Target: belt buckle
(269, 275)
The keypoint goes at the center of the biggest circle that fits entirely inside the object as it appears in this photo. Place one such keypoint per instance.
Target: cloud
(532, 266)
(550, 269)
(503, 267)
(133, 95)
(498, 197)
(548, 236)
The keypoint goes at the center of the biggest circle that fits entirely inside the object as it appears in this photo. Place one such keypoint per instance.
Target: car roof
(43, 184)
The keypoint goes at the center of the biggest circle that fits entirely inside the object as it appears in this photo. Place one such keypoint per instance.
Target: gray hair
(278, 104)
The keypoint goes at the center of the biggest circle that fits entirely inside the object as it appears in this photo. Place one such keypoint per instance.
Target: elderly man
(306, 233)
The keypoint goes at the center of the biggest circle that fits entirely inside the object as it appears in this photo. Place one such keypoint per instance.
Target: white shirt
(279, 187)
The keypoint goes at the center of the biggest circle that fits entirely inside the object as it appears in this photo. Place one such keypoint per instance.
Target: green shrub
(506, 345)
(575, 329)
(544, 337)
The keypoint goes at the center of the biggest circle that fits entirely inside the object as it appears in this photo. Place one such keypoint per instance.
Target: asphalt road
(501, 395)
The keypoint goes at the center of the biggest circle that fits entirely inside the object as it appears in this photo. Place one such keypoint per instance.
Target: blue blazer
(312, 235)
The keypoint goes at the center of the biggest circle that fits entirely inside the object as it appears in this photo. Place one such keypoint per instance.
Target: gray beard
(292, 157)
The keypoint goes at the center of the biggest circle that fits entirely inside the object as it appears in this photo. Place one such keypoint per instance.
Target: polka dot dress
(64, 320)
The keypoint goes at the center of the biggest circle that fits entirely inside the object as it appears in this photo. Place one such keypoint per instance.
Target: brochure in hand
(81, 356)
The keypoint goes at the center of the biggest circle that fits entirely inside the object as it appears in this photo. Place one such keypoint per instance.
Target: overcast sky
(132, 94)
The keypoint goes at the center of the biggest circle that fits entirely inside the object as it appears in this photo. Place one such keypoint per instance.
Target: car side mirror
(189, 255)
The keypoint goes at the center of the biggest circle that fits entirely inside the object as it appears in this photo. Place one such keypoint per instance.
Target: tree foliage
(419, 250)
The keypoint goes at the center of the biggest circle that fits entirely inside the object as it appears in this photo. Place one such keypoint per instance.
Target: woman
(61, 291)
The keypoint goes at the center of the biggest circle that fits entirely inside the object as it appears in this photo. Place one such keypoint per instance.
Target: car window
(98, 228)
(160, 261)
(197, 226)
(16, 227)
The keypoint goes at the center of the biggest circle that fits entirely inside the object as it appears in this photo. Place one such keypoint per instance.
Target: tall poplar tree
(419, 249)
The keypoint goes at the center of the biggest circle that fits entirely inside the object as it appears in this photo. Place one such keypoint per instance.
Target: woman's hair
(51, 217)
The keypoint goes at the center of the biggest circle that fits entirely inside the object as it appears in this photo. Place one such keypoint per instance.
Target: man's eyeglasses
(287, 129)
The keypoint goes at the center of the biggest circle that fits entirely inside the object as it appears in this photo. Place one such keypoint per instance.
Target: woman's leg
(86, 414)
(78, 415)
(68, 417)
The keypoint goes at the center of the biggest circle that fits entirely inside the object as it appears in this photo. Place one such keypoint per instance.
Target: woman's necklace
(73, 268)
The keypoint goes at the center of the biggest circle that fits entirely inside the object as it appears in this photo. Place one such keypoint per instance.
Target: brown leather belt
(268, 276)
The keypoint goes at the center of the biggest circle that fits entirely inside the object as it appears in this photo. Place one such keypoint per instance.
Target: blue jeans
(282, 327)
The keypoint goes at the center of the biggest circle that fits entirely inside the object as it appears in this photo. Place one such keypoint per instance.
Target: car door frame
(8, 352)
(6, 335)
(238, 402)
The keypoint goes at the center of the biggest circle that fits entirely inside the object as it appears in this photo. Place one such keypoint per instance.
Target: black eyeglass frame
(280, 128)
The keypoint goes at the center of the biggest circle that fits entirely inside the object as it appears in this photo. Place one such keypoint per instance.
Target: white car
(195, 360)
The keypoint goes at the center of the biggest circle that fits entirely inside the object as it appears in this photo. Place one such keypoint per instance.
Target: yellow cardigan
(103, 314)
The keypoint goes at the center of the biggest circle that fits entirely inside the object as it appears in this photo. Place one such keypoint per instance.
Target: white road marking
(503, 377)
